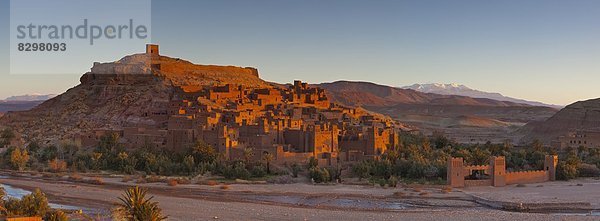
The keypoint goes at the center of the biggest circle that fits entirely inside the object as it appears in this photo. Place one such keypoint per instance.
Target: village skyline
(513, 48)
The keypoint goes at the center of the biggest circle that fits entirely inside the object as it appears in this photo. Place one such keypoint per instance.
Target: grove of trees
(417, 158)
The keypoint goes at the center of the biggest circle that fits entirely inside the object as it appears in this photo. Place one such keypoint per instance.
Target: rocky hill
(579, 115)
(456, 115)
(123, 93)
(120, 93)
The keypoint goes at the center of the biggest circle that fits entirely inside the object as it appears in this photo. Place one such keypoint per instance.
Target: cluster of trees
(420, 157)
(6, 135)
(110, 155)
(416, 158)
(322, 175)
(579, 162)
(134, 205)
(34, 204)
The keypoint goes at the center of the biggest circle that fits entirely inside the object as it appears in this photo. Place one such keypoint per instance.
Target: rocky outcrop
(577, 116)
(117, 94)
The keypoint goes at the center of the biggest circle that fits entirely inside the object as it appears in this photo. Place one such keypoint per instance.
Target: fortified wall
(494, 174)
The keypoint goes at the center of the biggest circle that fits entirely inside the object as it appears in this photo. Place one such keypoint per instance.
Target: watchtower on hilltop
(152, 49)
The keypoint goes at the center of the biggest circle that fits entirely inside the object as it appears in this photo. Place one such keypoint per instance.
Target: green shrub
(335, 173)
(236, 170)
(295, 168)
(319, 175)
(33, 204)
(361, 169)
(393, 181)
(259, 171)
(56, 215)
(312, 162)
(588, 170)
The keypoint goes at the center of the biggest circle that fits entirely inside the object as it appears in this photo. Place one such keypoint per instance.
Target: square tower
(455, 172)
(498, 171)
(550, 163)
(152, 49)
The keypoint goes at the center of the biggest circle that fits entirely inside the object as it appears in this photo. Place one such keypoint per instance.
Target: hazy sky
(539, 50)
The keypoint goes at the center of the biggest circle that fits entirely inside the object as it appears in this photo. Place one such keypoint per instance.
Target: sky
(541, 50)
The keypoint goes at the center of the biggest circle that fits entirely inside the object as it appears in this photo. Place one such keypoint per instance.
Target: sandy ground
(582, 190)
(197, 202)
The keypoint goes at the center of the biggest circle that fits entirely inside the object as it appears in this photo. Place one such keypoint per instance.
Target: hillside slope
(370, 94)
(459, 116)
(579, 115)
(121, 93)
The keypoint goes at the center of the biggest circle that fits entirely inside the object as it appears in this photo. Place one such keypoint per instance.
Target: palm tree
(248, 154)
(268, 157)
(135, 206)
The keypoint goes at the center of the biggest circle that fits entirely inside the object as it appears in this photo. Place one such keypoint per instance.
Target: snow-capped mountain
(462, 90)
(31, 97)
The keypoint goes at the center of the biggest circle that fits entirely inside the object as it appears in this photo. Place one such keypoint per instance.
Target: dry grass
(141, 180)
(75, 177)
(417, 189)
(399, 194)
(57, 165)
(211, 183)
(95, 181)
(46, 175)
(172, 182)
(183, 181)
(155, 179)
(424, 194)
(127, 179)
(521, 185)
(225, 187)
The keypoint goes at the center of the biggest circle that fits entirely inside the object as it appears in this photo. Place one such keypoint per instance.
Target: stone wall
(522, 177)
(296, 157)
(486, 182)
(457, 172)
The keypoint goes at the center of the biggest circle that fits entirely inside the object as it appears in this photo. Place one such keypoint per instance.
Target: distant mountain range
(462, 90)
(6, 106)
(23, 102)
(370, 94)
(31, 97)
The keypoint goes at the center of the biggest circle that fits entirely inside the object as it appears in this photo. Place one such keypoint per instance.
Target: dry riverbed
(283, 202)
